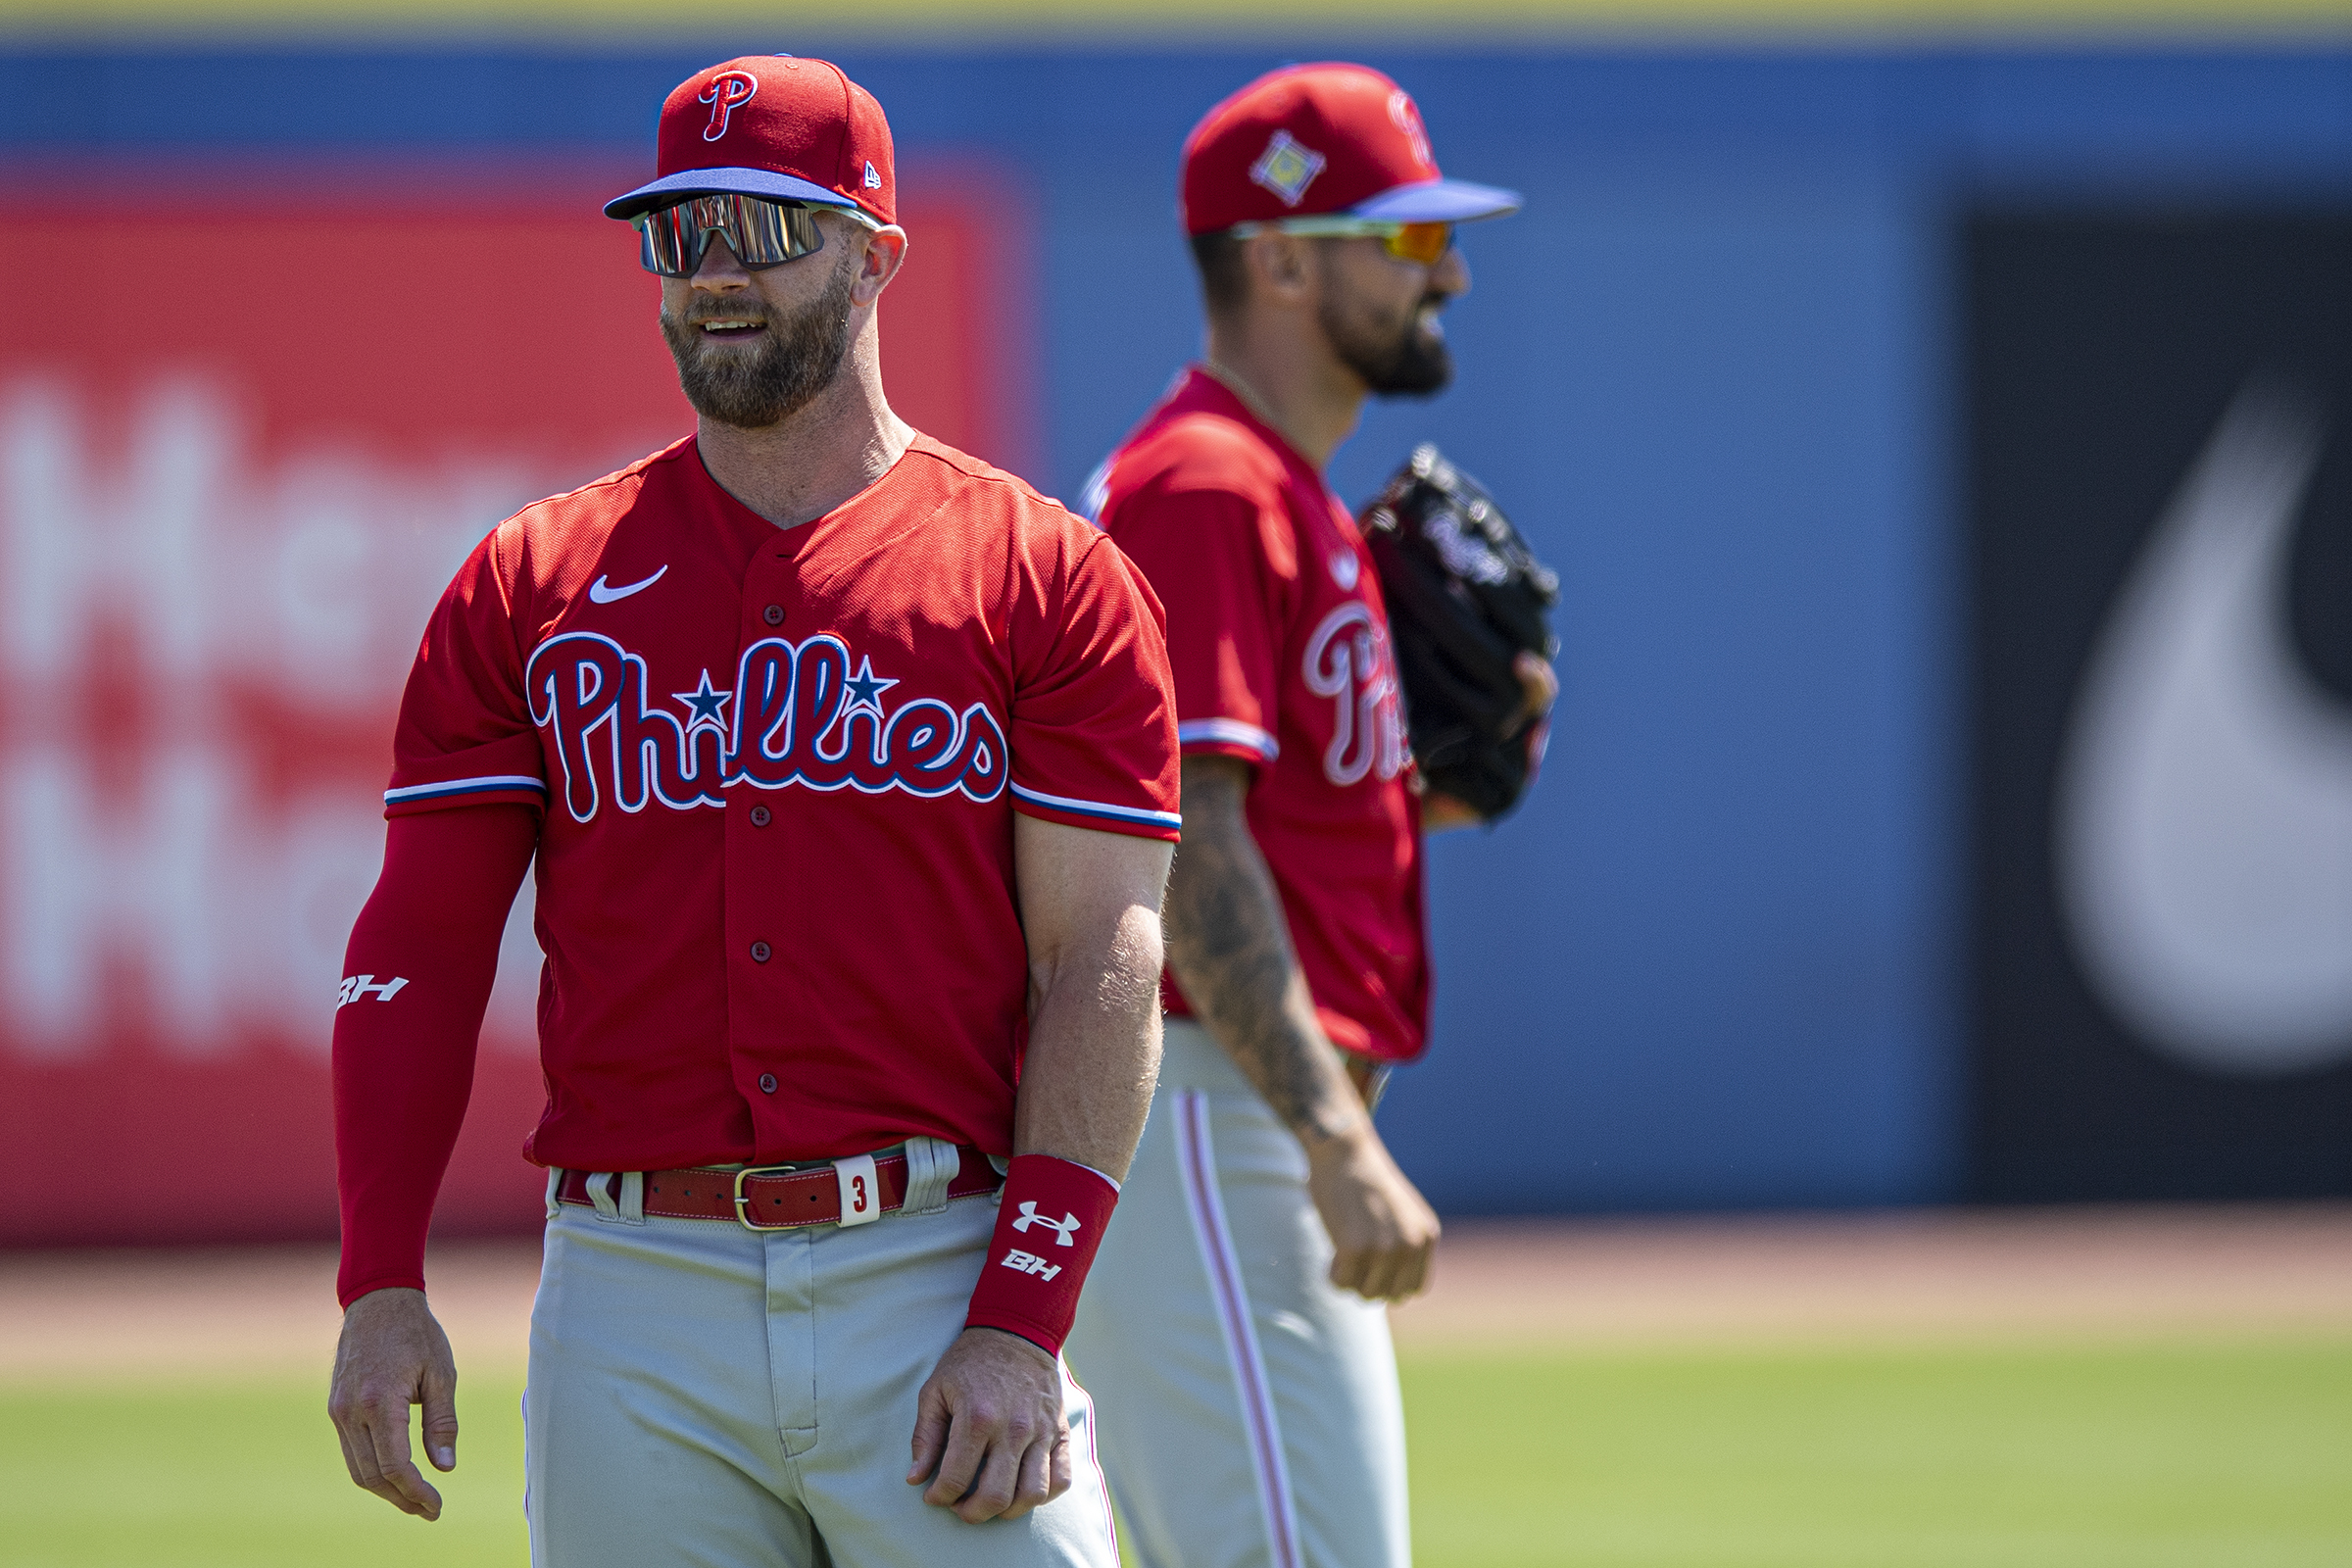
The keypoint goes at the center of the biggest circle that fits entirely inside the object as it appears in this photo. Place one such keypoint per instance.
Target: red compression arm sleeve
(1050, 1221)
(417, 979)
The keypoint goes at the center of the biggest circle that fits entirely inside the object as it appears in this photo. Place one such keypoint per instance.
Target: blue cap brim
(1437, 200)
(722, 183)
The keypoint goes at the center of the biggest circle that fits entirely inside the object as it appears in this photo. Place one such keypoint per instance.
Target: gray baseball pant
(1247, 1411)
(704, 1395)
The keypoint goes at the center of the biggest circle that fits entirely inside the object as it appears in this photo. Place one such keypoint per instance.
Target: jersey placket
(763, 950)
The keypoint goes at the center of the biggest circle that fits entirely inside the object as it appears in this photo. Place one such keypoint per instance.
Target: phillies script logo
(1347, 660)
(727, 89)
(795, 716)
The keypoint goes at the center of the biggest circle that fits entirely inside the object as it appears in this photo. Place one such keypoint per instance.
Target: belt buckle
(743, 1213)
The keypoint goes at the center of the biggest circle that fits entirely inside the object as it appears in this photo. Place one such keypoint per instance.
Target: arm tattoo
(1230, 947)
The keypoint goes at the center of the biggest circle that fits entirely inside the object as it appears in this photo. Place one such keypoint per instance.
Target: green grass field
(2199, 1455)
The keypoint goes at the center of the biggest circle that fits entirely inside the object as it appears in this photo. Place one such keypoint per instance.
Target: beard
(1407, 361)
(795, 357)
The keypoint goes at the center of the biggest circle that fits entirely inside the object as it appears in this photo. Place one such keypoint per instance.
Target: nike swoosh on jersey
(605, 596)
(2204, 824)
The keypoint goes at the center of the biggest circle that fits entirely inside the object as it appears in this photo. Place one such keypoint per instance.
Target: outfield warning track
(1596, 1284)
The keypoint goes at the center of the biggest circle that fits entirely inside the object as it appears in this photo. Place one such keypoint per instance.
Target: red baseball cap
(1313, 141)
(775, 126)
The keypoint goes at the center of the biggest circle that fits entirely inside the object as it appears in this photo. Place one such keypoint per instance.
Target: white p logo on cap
(727, 89)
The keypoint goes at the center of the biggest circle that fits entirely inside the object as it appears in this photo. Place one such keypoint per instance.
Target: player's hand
(1381, 1230)
(393, 1356)
(1539, 682)
(990, 1434)
(1441, 812)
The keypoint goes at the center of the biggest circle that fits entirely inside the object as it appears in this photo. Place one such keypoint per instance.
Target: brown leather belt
(774, 1198)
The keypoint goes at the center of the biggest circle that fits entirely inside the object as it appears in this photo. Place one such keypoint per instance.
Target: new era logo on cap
(873, 181)
(1287, 168)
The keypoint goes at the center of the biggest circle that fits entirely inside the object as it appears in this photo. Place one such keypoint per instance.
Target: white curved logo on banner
(214, 836)
(2204, 805)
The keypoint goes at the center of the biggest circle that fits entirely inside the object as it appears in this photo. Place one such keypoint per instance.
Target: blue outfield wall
(1715, 962)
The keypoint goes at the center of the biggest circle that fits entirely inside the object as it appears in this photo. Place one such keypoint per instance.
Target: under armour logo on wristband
(1063, 1228)
(1039, 1308)
(1022, 1262)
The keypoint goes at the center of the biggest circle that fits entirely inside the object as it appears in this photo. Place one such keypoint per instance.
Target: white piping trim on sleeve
(1230, 731)
(1118, 813)
(466, 786)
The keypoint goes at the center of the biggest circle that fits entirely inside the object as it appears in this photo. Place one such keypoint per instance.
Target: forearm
(1094, 1047)
(1089, 908)
(404, 1058)
(1229, 947)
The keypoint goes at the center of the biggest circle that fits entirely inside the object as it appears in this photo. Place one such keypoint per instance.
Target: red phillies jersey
(778, 769)
(1280, 646)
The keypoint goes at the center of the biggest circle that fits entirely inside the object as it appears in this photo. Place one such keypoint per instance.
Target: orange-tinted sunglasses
(1424, 244)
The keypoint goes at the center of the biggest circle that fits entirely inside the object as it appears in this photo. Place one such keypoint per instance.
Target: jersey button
(774, 614)
(760, 951)
(768, 1083)
(759, 817)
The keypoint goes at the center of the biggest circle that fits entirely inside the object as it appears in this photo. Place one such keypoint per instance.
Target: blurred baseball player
(1235, 1336)
(849, 766)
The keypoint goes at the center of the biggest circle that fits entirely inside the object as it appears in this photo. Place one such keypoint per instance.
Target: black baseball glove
(1465, 599)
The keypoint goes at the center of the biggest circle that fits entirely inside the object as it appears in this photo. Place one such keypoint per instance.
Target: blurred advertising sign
(244, 443)
(2162, 464)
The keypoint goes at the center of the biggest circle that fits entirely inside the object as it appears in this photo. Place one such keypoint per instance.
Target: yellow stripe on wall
(1204, 20)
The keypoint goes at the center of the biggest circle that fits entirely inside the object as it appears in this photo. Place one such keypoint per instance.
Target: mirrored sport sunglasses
(761, 232)
(1422, 243)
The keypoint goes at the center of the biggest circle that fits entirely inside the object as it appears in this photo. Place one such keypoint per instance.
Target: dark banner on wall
(2160, 457)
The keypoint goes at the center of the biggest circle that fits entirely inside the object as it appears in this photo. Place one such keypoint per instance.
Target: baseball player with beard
(848, 764)
(1236, 1334)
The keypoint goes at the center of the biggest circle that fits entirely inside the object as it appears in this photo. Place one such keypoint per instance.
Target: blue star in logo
(865, 689)
(706, 708)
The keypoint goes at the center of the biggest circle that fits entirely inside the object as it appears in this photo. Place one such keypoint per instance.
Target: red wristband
(1050, 1221)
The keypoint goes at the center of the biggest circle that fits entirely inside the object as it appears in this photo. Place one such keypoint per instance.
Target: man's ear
(1281, 267)
(885, 253)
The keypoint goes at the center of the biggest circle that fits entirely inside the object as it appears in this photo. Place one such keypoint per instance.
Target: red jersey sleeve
(1211, 555)
(465, 736)
(1093, 722)
(416, 977)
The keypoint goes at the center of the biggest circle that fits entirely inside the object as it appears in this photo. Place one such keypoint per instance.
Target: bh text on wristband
(1050, 1221)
